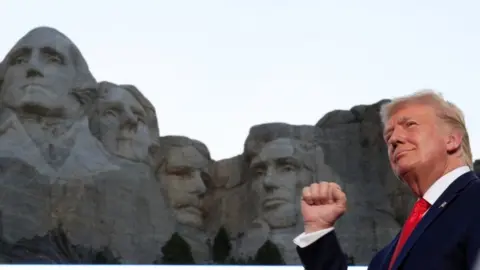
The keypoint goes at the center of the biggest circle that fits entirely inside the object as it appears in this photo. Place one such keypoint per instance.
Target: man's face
(415, 138)
(277, 174)
(123, 126)
(40, 74)
(186, 177)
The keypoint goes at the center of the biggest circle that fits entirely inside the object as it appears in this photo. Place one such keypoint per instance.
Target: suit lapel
(435, 210)
(389, 253)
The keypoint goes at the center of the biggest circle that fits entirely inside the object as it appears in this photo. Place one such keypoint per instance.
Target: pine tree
(350, 259)
(269, 254)
(221, 246)
(177, 251)
(240, 261)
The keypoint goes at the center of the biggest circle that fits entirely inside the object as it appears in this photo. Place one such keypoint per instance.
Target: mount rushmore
(87, 157)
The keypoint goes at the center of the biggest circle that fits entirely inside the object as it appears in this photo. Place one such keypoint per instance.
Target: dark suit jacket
(447, 237)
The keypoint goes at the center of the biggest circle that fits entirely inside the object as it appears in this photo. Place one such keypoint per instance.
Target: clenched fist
(322, 205)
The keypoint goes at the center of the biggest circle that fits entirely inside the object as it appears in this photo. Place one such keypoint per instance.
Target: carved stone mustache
(281, 194)
(187, 201)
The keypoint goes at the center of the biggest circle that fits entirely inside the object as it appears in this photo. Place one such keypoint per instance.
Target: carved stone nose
(32, 72)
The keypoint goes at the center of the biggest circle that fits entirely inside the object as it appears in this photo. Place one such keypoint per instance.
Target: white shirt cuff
(305, 239)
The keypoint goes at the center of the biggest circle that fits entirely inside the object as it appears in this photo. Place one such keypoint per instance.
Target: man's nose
(33, 72)
(396, 139)
(197, 185)
(129, 119)
(269, 181)
(34, 68)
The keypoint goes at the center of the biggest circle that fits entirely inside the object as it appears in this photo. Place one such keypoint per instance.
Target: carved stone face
(185, 177)
(277, 175)
(122, 125)
(40, 74)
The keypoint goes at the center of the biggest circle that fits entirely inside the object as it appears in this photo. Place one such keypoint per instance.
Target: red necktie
(419, 209)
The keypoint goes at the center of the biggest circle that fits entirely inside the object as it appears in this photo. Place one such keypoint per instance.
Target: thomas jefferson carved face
(40, 75)
(277, 176)
(122, 125)
(185, 177)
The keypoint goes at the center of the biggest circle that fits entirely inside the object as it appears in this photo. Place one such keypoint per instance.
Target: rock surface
(378, 202)
(86, 177)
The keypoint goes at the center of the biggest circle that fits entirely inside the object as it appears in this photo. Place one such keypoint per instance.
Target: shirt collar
(438, 187)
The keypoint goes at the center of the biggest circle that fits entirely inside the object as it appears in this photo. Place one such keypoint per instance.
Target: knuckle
(334, 185)
(314, 185)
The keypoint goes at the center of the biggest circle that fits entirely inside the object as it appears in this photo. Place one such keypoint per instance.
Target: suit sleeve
(323, 254)
(473, 244)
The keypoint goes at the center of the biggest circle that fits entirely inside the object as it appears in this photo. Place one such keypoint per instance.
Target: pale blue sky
(215, 68)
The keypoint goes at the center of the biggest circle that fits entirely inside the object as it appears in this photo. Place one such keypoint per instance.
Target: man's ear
(454, 141)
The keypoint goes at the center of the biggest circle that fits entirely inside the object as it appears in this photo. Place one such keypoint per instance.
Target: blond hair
(448, 112)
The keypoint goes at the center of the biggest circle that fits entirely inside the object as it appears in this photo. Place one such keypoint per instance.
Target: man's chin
(402, 170)
(47, 109)
(189, 219)
(127, 150)
(281, 217)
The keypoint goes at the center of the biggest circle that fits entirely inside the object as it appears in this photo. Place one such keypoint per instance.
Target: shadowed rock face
(74, 152)
(124, 121)
(378, 202)
(45, 74)
(87, 178)
(184, 168)
(476, 166)
(279, 160)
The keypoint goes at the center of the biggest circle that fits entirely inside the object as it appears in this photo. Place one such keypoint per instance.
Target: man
(281, 160)
(279, 172)
(45, 74)
(124, 121)
(46, 94)
(182, 165)
(429, 150)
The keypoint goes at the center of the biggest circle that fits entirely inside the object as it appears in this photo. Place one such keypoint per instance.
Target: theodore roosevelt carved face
(184, 171)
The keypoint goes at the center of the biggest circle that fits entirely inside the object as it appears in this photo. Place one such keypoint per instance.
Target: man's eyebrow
(401, 121)
(257, 163)
(287, 160)
(18, 52)
(49, 49)
(136, 110)
(53, 51)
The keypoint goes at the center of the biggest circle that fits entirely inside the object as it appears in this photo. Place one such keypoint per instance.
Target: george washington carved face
(278, 176)
(40, 74)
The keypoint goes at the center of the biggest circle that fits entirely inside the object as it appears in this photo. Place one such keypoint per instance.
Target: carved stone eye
(259, 171)
(111, 112)
(19, 60)
(54, 58)
(288, 168)
(179, 171)
(140, 118)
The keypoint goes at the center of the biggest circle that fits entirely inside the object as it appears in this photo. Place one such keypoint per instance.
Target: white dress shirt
(432, 194)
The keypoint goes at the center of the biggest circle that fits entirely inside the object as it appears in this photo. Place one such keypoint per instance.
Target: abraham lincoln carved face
(279, 173)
